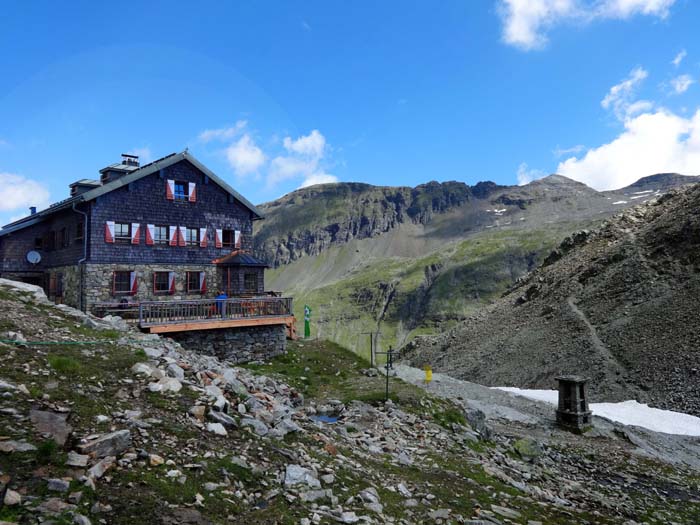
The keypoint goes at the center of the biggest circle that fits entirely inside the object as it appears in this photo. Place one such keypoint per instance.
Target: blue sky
(273, 95)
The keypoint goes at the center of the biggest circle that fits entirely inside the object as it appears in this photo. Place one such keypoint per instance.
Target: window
(79, 230)
(161, 282)
(62, 238)
(228, 237)
(50, 240)
(180, 191)
(38, 243)
(121, 283)
(193, 282)
(160, 235)
(122, 232)
(192, 236)
(250, 282)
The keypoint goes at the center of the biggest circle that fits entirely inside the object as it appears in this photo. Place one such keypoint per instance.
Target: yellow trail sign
(428, 373)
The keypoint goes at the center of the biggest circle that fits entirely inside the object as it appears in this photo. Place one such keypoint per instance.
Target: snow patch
(620, 202)
(643, 192)
(627, 412)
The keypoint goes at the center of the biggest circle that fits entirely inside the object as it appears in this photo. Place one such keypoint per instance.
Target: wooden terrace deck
(160, 317)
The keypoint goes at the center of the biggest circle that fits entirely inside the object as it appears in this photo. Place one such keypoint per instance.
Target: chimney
(130, 160)
(32, 210)
(112, 172)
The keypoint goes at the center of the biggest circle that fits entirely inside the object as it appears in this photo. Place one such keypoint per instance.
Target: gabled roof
(125, 180)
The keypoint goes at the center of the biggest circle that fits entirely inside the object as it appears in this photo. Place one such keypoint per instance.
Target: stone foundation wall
(70, 283)
(237, 345)
(98, 282)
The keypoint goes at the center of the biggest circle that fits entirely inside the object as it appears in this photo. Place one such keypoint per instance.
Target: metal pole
(389, 359)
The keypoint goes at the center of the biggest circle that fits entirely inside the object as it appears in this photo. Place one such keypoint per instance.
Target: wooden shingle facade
(167, 230)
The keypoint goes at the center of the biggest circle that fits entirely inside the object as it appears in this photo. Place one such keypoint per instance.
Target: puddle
(323, 418)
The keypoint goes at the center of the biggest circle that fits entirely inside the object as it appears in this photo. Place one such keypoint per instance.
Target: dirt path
(598, 345)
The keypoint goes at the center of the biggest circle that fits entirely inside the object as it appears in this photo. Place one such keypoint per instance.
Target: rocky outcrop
(618, 304)
(310, 220)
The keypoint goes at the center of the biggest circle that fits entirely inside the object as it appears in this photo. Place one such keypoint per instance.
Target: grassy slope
(469, 274)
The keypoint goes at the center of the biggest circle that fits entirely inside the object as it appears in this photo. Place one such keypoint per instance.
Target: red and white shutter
(236, 239)
(133, 283)
(135, 233)
(150, 233)
(172, 231)
(170, 189)
(202, 237)
(109, 231)
(202, 282)
(181, 236)
(171, 282)
(217, 239)
(193, 192)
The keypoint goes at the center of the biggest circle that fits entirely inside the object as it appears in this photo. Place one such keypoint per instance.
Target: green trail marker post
(307, 321)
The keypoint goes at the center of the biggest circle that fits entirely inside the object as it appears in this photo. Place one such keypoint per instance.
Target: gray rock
(217, 428)
(284, 427)
(58, 485)
(369, 495)
(52, 423)
(111, 444)
(506, 512)
(54, 506)
(79, 519)
(528, 448)
(259, 427)
(298, 475)
(98, 470)
(16, 446)
(477, 420)
(220, 417)
(77, 460)
(7, 387)
(12, 498)
(175, 371)
(315, 495)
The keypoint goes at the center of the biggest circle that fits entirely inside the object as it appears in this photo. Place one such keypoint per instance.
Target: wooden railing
(153, 313)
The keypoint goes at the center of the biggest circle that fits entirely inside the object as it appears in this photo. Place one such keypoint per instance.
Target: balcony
(207, 314)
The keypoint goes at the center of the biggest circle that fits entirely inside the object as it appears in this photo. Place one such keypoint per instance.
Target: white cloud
(318, 178)
(18, 192)
(304, 159)
(526, 22)
(223, 134)
(653, 142)
(681, 83)
(244, 156)
(311, 145)
(527, 175)
(560, 152)
(679, 58)
(619, 98)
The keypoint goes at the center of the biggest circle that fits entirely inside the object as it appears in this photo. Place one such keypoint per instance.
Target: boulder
(111, 444)
(528, 449)
(297, 475)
